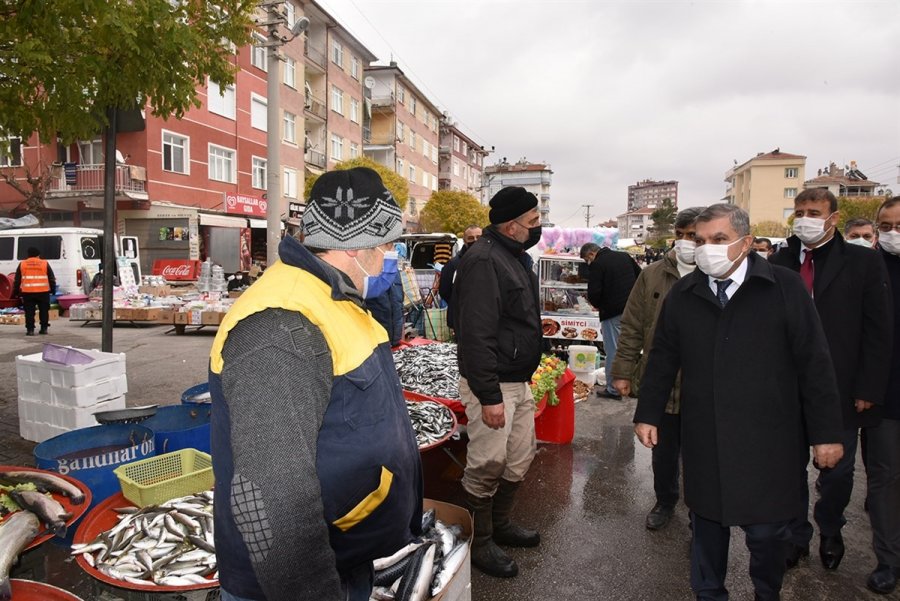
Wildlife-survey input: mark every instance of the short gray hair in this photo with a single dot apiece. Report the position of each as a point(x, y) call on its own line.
point(587, 249)
point(737, 216)
point(687, 217)
point(858, 222)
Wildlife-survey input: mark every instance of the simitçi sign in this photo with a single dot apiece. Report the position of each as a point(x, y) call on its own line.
point(245, 204)
point(177, 269)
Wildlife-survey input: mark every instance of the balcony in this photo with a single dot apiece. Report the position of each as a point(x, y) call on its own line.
point(88, 180)
point(315, 107)
point(383, 103)
point(316, 56)
point(367, 134)
point(315, 158)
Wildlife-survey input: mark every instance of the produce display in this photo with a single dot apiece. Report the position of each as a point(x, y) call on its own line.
point(421, 569)
point(431, 421)
point(429, 369)
point(170, 544)
point(544, 379)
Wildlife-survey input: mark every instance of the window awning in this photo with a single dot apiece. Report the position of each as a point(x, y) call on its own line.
point(260, 224)
point(222, 220)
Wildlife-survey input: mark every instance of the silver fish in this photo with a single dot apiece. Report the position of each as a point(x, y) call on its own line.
point(45, 483)
point(416, 582)
point(16, 533)
point(47, 509)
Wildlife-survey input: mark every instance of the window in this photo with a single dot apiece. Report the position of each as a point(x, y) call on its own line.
point(337, 100)
point(290, 127)
point(790, 172)
point(175, 151)
point(289, 13)
point(400, 166)
point(412, 105)
point(6, 248)
point(290, 183)
point(412, 173)
point(337, 54)
point(455, 143)
point(424, 179)
point(290, 72)
point(455, 167)
point(221, 164)
point(50, 247)
point(412, 139)
point(425, 150)
point(401, 134)
point(790, 192)
point(434, 154)
point(434, 183)
point(220, 101)
point(91, 153)
point(354, 110)
point(258, 56)
point(259, 173)
point(354, 67)
point(13, 156)
point(412, 206)
point(337, 147)
point(354, 150)
point(401, 94)
point(259, 112)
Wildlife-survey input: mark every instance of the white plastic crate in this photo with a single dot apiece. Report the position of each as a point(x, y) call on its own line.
point(39, 421)
point(105, 366)
point(73, 418)
point(77, 396)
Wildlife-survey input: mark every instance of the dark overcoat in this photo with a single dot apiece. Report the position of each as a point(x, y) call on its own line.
point(853, 298)
point(756, 384)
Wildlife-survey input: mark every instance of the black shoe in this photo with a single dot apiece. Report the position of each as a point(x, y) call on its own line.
point(516, 536)
point(793, 554)
point(493, 561)
point(42, 331)
point(605, 394)
point(659, 516)
point(29, 332)
point(883, 580)
point(505, 531)
point(831, 550)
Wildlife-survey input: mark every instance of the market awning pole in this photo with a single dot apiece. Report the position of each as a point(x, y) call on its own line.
point(109, 230)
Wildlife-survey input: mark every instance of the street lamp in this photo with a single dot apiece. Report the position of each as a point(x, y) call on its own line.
point(275, 19)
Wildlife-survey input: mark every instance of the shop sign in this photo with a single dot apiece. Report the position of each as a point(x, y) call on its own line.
point(295, 210)
point(176, 269)
point(242, 204)
point(573, 328)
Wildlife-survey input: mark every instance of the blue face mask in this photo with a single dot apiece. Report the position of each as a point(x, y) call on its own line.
point(376, 285)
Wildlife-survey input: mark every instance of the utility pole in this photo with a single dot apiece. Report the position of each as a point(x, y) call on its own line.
point(587, 215)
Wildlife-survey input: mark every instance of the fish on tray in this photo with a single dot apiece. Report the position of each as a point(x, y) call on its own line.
point(48, 510)
point(170, 544)
point(16, 533)
point(44, 482)
point(431, 421)
point(429, 369)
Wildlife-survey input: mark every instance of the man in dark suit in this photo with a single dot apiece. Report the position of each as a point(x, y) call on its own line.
point(744, 437)
point(849, 286)
point(448, 273)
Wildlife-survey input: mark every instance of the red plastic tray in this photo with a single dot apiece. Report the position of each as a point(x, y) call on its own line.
point(102, 518)
point(29, 590)
point(440, 441)
point(76, 510)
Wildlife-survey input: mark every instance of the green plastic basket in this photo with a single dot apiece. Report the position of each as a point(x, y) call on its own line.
point(158, 479)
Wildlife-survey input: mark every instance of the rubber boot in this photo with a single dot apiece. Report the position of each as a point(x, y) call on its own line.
point(505, 531)
point(486, 555)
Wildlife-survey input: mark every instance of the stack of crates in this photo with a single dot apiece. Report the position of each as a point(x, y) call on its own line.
point(55, 398)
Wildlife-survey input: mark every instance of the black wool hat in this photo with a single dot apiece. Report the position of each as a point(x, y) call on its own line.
point(350, 209)
point(511, 202)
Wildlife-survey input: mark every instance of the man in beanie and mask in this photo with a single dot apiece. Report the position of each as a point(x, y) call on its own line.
point(316, 464)
point(498, 328)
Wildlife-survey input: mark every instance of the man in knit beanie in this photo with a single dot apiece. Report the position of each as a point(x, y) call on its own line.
point(316, 464)
point(498, 327)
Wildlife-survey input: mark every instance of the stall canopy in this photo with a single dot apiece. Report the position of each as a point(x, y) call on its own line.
point(261, 224)
point(222, 220)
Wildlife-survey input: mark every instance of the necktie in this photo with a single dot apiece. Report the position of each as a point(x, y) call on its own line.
point(808, 270)
point(722, 286)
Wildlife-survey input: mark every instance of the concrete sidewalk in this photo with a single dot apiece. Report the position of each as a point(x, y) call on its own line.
point(588, 499)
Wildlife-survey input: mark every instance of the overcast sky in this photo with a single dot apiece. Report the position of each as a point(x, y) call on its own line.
point(609, 93)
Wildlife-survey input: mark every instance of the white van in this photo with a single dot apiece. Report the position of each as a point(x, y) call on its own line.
point(74, 254)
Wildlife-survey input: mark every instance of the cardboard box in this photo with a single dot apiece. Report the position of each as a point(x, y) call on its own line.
point(181, 318)
point(211, 318)
point(155, 290)
point(165, 316)
point(12, 320)
point(53, 314)
point(235, 293)
point(459, 588)
point(123, 314)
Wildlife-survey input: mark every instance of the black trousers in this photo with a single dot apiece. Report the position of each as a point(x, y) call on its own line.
point(883, 444)
point(709, 558)
point(39, 301)
point(665, 462)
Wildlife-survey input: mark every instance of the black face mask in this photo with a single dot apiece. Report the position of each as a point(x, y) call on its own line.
point(534, 236)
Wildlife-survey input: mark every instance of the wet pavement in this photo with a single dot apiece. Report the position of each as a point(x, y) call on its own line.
point(588, 499)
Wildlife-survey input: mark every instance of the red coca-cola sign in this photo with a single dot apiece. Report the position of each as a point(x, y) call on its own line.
point(176, 269)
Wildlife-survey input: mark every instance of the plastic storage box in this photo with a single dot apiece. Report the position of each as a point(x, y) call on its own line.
point(158, 479)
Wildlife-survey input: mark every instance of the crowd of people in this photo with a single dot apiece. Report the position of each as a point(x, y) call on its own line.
point(317, 470)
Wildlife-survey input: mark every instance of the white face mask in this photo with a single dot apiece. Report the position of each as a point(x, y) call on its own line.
point(810, 229)
point(861, 242)
point(684, 251)
point(712, 259)
point(890, 241)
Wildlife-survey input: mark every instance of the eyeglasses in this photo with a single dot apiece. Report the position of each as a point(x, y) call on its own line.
point(886, 227)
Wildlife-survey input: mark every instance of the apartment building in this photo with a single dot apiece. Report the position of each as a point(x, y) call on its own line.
point(403, 130)
point(460, 160)
point(849, 181)
point(649, 192)
point(334, 101)
point(636, 225)
point(534, 177)
point(195, 187)
point(765, 186)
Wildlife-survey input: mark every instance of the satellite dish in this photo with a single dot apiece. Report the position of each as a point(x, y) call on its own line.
point(369, 82)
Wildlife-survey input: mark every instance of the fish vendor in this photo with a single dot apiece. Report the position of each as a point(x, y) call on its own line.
point(316, 465)
point(500, 339)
